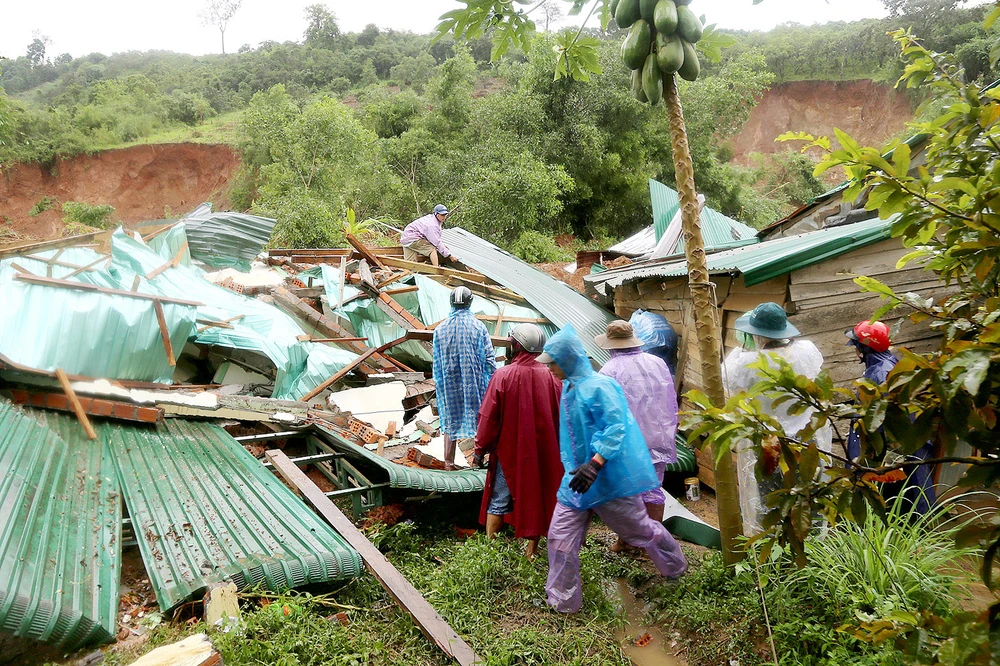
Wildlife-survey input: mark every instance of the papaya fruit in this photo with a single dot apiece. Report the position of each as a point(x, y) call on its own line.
point(635, 48)
point(626, 13)
point(637, 90)
point(646, 8)
point(652, 83)
point(669, 52)
point(665, 17)
point(612, 7)
point(691, 67)
point(688, 25)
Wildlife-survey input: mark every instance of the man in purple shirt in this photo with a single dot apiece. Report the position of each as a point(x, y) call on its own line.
point(652, 399)
point(422, 237)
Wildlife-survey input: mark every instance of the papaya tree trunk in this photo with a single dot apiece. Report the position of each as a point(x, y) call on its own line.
point(705, 316)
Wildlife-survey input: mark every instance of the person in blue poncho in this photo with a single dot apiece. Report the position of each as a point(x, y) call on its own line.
point(871, 342)
point(464, 361)
point(607, 468)
point(657, 335)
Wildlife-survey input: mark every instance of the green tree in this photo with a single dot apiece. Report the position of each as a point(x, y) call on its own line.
point(219, 13)
point(322, 30)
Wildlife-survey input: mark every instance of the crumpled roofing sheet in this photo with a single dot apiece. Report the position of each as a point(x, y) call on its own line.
point(261, 327)
point(411, 478)
point(204, 510)
point(48, 327)
point(60, 530)
point(557, 301)
point(226, 239)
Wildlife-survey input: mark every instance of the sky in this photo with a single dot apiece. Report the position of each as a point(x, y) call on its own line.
point(111, 26)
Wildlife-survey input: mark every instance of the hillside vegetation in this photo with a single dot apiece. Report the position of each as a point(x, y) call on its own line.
point(389, 123)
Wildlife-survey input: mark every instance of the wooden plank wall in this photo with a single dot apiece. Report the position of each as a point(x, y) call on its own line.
point(822, 299)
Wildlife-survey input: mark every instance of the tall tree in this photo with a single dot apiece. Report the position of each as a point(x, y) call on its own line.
point(219, 13)
point(36, 49)
point(322, 29)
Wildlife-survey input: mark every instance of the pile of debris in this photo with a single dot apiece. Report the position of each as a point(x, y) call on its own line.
point(139, 392)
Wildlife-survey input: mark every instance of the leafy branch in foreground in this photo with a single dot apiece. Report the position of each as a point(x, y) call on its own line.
point(942, 205)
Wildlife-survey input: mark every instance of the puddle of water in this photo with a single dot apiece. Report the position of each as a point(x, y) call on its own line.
point(642, 643)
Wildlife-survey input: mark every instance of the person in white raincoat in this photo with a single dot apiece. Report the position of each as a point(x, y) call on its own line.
point(768, 332)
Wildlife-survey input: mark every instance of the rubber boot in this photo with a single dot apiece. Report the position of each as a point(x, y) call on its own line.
point(655, 511)
point(494, 523)
point(449, 452)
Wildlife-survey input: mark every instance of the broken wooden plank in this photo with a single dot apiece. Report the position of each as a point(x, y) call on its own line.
point(513, 320)
point(417, 267)
point(340, 374)
point(111, 409)
point(81, 415)
point(394, 278)
point(296, 307)
point(81, 286)
point(309, 338)
point(428, 336)
point(32, 248)
point(431, 624)
point(172, 263)
point(364, 251)
point(164, 332)
point(397, 312)
point(489, 290)
point(402, 290)
point(159, 230)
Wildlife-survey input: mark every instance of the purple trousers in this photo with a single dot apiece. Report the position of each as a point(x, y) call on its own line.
point(656, 495)
point(627, 516)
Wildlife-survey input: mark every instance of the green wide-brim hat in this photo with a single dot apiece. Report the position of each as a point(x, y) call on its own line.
point(767, 320)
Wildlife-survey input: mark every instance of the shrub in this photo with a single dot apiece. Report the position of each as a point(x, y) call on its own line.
point(536, 248)
point(44, 204)
point(76, 212)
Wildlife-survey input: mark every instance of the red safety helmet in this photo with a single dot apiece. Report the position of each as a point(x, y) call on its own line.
point(874, 335)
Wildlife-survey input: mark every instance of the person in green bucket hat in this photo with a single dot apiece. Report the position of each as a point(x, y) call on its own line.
point(766, 332)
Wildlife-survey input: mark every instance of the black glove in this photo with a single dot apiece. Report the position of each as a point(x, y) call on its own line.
point(477, 460)
point(584, 476)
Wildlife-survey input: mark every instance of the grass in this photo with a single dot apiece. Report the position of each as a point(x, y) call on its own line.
point(484, 589)
point(218, 130)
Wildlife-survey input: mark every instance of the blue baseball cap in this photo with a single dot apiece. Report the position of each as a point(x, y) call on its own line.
point(440, 209)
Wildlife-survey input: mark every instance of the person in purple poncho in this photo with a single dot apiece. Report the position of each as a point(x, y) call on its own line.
point(652, 399)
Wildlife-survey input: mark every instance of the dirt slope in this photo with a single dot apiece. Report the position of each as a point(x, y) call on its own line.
point(868, 111)
point(142, 183)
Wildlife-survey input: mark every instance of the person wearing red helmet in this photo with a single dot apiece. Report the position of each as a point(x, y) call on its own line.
point(871, 341)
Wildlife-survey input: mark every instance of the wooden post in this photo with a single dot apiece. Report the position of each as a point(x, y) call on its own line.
point(431, 624)
point(75, 402)
point(364, 251)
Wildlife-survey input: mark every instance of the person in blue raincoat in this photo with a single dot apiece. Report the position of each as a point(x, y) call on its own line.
point(464, 361)
point(657, 335)
point(607, 468)
point(871, 341)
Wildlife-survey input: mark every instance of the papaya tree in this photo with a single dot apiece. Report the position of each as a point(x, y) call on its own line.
point(661, 42)
point(944, 207)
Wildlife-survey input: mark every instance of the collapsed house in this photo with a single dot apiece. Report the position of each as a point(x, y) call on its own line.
point(806, 262)
point(149, 378)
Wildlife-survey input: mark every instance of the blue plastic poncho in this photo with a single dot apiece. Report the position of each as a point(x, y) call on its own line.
point(594, 418)
point(464, 361)
point(657, 335)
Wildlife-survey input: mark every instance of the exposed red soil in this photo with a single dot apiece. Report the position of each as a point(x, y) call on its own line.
point(142, 183)
point(870, 112)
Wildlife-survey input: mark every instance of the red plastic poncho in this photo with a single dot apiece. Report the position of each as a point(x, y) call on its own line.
point(519, 426)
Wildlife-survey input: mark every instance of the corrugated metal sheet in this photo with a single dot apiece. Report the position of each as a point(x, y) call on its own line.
point(686, 462)
point(666, 203)
point(556, 300)
point(763, 261)
point(411, 478)
point(60, 530)
point(204, 510)
point(637, 244)
point(717, 229)
point(258, 326)
point(226, 239)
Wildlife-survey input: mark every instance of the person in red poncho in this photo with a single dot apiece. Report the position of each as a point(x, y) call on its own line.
point(519, 429)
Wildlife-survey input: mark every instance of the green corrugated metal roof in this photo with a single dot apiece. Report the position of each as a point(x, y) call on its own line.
point(226, 239)
point(60, 530)
point(205, 510)
point(556, 300)
point(763, 261)
point(717, 229)
point(412, 478)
